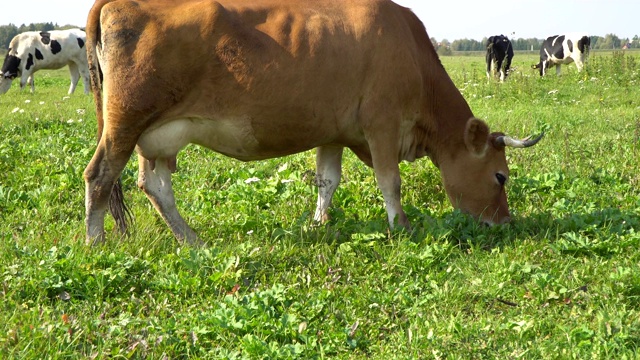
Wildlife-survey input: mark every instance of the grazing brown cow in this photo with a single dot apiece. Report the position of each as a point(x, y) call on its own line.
point(257, 79)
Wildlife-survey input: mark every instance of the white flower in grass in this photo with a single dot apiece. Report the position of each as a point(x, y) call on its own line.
point(70, 121)
point(284, 181)
point(27, 101)
point(251, 180)
point(41, 102)
point(80, 111)
point(15, 110)
point(552, 92)
point(66, 98)
point(21, 111)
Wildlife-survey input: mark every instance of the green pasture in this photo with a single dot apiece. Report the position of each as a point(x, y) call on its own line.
point(562, 281)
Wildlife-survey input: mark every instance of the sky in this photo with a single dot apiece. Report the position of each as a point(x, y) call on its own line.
point(448, 19)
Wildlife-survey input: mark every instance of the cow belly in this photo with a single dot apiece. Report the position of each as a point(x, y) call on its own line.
point(232, 137)
point(564, 61)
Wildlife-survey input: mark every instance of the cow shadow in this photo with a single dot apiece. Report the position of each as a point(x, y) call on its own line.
point(576, 234)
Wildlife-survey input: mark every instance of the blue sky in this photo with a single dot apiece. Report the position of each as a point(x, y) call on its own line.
point(448, 19)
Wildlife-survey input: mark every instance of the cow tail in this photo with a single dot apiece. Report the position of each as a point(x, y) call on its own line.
point(117, 207)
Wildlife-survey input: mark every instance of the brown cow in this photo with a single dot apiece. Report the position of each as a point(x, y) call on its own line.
point(257, 79)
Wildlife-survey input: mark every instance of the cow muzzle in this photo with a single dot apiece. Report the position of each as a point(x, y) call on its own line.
point(491, 222)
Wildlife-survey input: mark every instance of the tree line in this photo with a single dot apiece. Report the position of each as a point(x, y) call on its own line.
point(7, 32)
point(444, 47)
point(609, 41)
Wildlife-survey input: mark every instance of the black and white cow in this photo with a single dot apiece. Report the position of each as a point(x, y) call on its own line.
point(499, 56)
point(563, 49)
point(33, 50)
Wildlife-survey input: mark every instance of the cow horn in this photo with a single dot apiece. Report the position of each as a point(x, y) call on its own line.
point(503, 141)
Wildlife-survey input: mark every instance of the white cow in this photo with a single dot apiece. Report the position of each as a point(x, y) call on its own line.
point(563, 49)
point(35, 50)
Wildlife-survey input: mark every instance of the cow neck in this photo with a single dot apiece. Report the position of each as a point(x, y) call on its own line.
point(449, 111)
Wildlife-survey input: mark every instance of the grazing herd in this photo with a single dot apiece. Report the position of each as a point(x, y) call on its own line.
point(555, 50)
point(270, 87)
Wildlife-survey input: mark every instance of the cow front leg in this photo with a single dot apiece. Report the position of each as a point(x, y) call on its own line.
point(27, 79)
point(489, 66)
point(328, 174)
point(154, 178)
point(384, 153)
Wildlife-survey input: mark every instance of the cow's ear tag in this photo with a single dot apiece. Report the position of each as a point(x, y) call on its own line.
point(476, 135)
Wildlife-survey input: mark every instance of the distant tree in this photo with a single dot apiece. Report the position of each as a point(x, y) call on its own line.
point(531, 44)
point(444, 48)
point(467, 45)
point(434, 42)
point(610, 41)
point(7, 32)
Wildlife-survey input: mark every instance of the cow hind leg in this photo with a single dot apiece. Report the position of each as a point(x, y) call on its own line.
point(328, 174)
point(100, 176)
point(84, 73)
point(154, 178)
point(75, 76)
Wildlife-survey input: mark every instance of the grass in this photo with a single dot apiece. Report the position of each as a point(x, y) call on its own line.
point(561, 281)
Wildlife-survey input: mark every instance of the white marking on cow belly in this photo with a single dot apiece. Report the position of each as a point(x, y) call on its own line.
point(565, 60)
point(232, 137)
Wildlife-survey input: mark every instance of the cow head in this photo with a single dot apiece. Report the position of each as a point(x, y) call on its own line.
point(10, 70)
point(475, 175)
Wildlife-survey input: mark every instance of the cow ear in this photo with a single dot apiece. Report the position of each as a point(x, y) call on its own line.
point(476, 136)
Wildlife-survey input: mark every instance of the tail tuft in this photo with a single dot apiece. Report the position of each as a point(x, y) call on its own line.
point(119, 210)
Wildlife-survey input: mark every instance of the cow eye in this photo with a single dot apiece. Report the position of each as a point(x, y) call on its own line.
point(501, 179)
